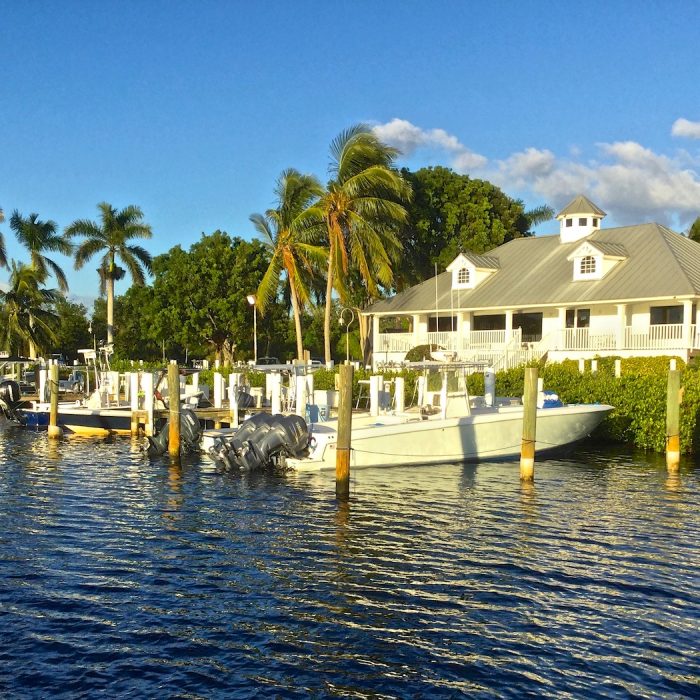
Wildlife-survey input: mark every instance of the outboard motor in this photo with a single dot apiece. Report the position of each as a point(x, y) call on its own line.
point(261, 440)
point(190, 434)
point(10, 399)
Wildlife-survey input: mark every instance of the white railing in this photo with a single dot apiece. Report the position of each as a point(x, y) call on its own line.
point(674, 336)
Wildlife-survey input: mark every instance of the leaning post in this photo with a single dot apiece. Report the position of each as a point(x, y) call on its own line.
point(342, 451)
point(673, 404)
point(54, 428)
point(527, 448)
point(174, 406)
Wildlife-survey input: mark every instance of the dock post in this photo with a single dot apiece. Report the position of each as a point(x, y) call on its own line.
point(148, 400)
point(342, 451)
point(527, 448)
point(275, 393)
point(234, 382)
point(398, 394)
point(218, 396)
point(618, 369)
point(42, 381)
point(376, 382)
point(134, 401)
point(673, 440)
point(54, 428)
point(174, 406)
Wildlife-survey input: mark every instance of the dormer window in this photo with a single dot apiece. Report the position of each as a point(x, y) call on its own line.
point(588, 266)
point(463, 276)
point(595, 221)
point(569, 222)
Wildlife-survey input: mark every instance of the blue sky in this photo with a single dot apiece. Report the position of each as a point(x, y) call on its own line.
point(191, 110)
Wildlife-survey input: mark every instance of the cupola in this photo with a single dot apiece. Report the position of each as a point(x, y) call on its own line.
point(578, 219)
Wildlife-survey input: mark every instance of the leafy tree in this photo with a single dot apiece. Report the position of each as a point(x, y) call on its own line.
point(27, 312)
point(134, 324)
point(694, 231)
point(111, 238)
point(362, 209)
point(3, 251)
point(37, 237)
point(71, 328)
point(453, 213)
point(286, 231)
point(200, 295)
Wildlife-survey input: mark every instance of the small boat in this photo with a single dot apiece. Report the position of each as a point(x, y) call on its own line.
point(448, 426)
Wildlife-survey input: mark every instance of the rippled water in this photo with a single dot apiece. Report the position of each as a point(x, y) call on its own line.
point(128, 578)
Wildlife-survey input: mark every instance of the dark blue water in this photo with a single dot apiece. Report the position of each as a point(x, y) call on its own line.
point(121, 577)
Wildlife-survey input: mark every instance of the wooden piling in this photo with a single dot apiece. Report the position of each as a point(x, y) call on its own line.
point(673, 403)
point(527, 448)
point(342, 451)
point(134, 401)
point(174, 406)
point(54, 428)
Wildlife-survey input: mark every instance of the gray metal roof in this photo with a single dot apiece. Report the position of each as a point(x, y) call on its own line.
point(535, 272)
point(613, 249)
point(488, 262)
point(580, 205)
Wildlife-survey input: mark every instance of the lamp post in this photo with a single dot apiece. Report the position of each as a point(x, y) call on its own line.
point(251, 300)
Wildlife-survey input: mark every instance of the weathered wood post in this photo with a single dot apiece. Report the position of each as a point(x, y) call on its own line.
point(174, 406)
point(54, 428)
point(134, 401)
point(673, 403)
point(527, 448)
point(342, 450)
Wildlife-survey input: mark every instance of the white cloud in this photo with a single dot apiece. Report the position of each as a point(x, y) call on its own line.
point(685, 128)
point(631, 182)
point(409, 138)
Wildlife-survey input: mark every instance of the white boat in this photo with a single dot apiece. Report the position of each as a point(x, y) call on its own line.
point(447, 426)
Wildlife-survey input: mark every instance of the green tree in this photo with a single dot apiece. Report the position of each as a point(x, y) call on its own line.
point(135, 317)
point(71, 328)
point(287, 232)
point(200, 295)
point(694, 231)
point(453, 213)
point(3, 250)
point(111, 238)
point(362, 208)
point(38, 237)
point(27, 312)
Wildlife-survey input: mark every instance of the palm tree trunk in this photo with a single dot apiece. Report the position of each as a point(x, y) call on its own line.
point(32, 346)
point(110, 308)
point(365, 345)
point(297, 323)
point(327, 315)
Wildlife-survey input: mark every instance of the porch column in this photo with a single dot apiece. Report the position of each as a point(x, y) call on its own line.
point(561, 331)
point(466, 330)
point(621, 325)
point(509, 325)
point(416, 332)
point(687, 323)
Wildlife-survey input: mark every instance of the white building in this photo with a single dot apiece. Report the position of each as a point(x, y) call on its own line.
point(586, 292)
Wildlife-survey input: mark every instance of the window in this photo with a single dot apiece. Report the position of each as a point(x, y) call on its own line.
point(490, 322)
point(569, 222)
point(588, 266)
point(664, 315)
point(578, 318)
point(582, 221)
point(442, 324)
point(463, 276)
point(595, 221)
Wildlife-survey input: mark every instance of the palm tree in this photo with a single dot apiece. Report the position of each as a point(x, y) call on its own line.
point(27, 316)
point(3, 251)
point(361, 208)
point(38, 236)
point(287, 231)
point(111, 238)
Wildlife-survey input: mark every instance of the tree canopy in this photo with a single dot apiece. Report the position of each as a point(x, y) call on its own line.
point(453, 213)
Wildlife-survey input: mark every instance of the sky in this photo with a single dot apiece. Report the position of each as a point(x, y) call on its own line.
point(191, 110)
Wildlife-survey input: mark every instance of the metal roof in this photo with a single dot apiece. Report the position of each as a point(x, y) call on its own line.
point(533, 272)
point(580, 205)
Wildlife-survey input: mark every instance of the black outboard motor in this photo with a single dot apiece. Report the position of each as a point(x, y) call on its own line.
point(261, 440)
point(10, 399)
point(190, 434)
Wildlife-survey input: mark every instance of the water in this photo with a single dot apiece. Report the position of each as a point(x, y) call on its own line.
point(127, 578)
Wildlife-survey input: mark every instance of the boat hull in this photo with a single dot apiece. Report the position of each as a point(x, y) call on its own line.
point(483, 435)
point(82, 421)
